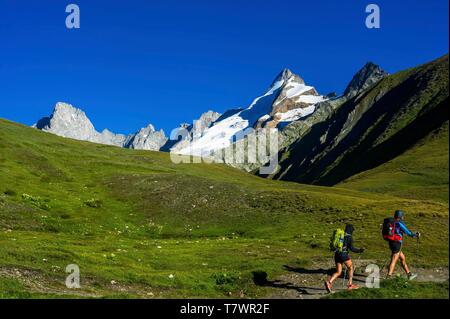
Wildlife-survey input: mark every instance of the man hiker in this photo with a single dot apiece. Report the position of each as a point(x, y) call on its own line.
point(395, 241)
point(342, 257)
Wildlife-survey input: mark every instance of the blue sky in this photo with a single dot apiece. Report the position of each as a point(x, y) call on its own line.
point(165, 62)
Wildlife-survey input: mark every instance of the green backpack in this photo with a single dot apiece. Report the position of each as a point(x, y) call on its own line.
point(337, 240)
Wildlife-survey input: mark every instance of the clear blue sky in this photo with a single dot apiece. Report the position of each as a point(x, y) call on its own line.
point(165, 62)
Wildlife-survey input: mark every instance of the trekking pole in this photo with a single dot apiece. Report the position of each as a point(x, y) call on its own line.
point(418, 242)
point(345, 274)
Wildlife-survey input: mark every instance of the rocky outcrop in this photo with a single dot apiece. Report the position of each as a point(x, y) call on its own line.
point(190, 132)
point(146, 138)
point(71, 122)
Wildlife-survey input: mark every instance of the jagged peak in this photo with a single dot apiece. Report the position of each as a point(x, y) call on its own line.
point(63, 106)
point(148, 128)
point(285, 74)
point(372, 67)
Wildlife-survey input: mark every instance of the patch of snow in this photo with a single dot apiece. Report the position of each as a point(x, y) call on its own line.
point(295, 114)
point(221, 134)
point(310, 99)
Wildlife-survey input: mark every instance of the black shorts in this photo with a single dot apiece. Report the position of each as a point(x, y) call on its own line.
point(340, 258)
point(395, 246)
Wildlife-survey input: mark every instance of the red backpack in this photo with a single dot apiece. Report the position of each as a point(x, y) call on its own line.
point(388, 230)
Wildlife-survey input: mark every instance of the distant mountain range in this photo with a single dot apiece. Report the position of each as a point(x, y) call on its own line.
point(324, 138)
point(287, 100)
point(71, 122)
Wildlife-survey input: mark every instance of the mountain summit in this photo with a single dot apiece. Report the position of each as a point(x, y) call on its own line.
point(287, 74)
point(287, 99)
point(69, 121)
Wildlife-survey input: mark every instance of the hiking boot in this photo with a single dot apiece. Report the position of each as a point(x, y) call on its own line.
point(412, 276)
point(328, 286)
point(352, 286)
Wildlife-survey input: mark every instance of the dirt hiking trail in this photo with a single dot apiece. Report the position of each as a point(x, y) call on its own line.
point(308, 283)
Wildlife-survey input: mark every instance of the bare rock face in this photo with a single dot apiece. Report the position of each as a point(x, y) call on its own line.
point(195, 130)
point(109, 138)
point(205, 121)
point(69, 121)
point(147, 138)
point(369, 75)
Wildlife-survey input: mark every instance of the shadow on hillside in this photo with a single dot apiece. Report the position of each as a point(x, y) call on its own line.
point(301, 270)
point(260, 279)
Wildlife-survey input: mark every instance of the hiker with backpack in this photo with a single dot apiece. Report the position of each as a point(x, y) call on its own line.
point(393, 231)
point(342, 243)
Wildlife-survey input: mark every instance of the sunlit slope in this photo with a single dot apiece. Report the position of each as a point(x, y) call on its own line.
point(419, 173)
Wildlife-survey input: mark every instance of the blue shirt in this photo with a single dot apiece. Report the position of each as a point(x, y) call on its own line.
point(402, 229)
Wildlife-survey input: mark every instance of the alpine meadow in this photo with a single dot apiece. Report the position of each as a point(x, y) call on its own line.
point(224, 159)
point(140, 226)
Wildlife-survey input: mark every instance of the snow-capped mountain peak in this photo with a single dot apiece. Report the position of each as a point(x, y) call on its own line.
point(288, 75)
point(287, 99)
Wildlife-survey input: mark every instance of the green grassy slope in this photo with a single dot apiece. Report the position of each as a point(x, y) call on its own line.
point(140, 226)
point(419, 173)
point(398, 288)
point(373, 128)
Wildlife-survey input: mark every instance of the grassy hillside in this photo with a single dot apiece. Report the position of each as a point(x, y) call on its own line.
point(138, 225)
point(398, 289)
point(419, 173)
point(373, 128)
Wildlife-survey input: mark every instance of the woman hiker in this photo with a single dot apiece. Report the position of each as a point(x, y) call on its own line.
point(342, 257)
